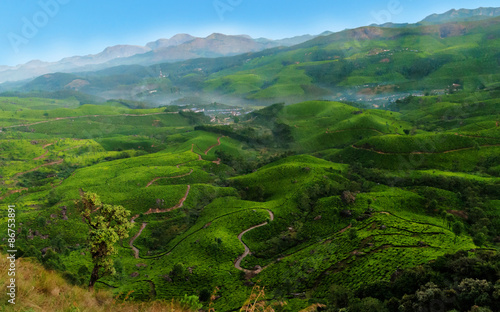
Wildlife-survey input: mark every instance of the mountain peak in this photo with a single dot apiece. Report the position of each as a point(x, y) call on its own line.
point(174, 41)
point(123, 50)
point(216, 36)
point(462, 15)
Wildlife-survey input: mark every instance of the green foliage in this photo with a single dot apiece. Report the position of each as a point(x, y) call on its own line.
point(32, 252)
point(352, 234)
point(107, 224)
point(52, 261)
point(194, 118)
point(404, 202)
point(369, 305)
point(191, 302)
point(457, 228)
point(446, 283)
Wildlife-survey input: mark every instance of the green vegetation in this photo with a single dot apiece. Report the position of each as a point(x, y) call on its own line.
point(324, 204)
point(369, 62)
point(107, 224)
point(318, 177)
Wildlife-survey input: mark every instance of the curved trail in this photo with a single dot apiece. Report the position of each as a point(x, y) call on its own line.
point(86, 116)
point(12, 192)
point(160, 178)
point(131, 243)
point(345, 229)
point(151, 211)
point(237, 264)
point(156, 210)
point(192, 151)
point(179, 205)
point(181, 201)
point(217, 162)
point(215, 145)
point(57, 162)
point(167, 252)
point(44, 154)
point(419, 153)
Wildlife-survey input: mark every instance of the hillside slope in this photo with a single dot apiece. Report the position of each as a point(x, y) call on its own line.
point(295, 198)
point(38, 289)
point(368, 63)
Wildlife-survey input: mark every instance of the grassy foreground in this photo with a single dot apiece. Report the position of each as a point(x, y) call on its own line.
point(41, 290)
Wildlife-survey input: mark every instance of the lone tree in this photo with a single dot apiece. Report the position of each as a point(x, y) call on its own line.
point(107, 224)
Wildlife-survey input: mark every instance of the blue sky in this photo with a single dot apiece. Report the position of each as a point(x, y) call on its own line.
point(80, 27)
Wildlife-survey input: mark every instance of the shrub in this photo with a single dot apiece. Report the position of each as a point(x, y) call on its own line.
point(191, 302)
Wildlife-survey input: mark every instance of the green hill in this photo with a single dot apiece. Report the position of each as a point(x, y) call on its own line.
point(353, 64)
point(300, 199)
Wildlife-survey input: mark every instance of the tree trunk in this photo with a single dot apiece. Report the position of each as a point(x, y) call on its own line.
point(94, 277)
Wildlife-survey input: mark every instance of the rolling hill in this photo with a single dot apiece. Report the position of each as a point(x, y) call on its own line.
point(369, 63)
point(298, 199)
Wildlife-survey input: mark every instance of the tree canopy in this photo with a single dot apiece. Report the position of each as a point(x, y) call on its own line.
point(107, 225)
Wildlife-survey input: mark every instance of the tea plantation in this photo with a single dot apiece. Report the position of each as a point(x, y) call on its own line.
point(321, 202)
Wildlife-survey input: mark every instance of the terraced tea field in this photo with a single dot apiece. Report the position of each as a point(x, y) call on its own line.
point(294, 198)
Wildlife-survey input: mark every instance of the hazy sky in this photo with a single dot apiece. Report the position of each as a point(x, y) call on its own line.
point(52, 29)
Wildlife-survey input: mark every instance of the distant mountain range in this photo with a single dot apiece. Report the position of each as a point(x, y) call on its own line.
point(184, 47)
point(178, 48)
point(462, 15)
point(215, 45)
point(361, 64)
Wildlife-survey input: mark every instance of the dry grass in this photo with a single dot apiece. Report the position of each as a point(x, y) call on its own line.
point(256, 301)
point(39, 290)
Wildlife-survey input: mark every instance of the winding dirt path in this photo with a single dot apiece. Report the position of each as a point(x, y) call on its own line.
point(160, 178)
point(57, 162)
point(151, 211)
point(17, 175)
point(476, 136)
point(418, 153)
point(345, 229)
point(192, 151)
point(44, 154)
point(217, 162)
point(131, 243)
point(12, 192)
point(218, 143)
point(86, 116)
point(179, 204)
point(237, 264)
point(157, 210)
